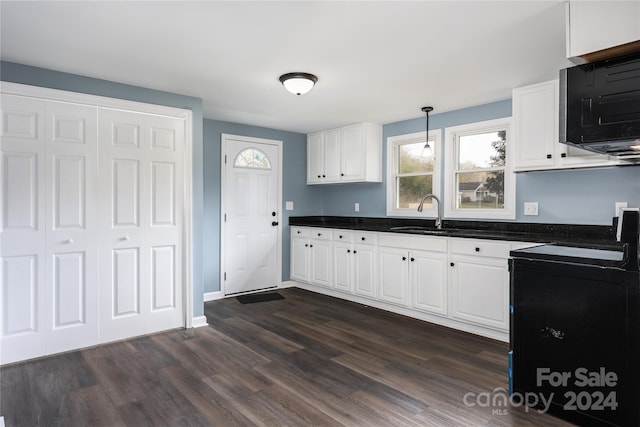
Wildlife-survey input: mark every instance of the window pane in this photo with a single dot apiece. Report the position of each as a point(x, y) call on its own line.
point(411, 189)
point(480, 190)
point(414, 158)
point(252, 158)
point(482, 150)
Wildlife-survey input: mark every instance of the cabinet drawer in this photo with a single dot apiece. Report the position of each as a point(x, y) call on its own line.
point(343, 236)
point(299, 232)
point(480, 248)
point(320, 234)
point(365, 238)
point(424, 243)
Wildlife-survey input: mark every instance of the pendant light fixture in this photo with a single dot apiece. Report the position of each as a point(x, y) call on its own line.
point(427, 110)
point(298, 83)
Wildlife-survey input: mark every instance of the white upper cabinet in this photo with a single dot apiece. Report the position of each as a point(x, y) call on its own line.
point(347, 154)
point(593, 26)
point(536, 133)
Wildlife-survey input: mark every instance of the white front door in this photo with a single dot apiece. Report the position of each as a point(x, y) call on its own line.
point(141, 211)
point(251, 214)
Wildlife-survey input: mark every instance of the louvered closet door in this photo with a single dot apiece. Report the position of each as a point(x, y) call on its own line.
point(141, 202)
point(49, 257)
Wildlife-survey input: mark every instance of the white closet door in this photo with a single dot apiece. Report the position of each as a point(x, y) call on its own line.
point(23, 229)
point(141, 193)
point(49, 256)
point(71, 218)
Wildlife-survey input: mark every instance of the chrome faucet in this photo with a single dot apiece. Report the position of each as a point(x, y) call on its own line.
point(439, 217)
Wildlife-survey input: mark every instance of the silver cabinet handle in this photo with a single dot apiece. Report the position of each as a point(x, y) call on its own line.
point(124, 238)
point(68, 241)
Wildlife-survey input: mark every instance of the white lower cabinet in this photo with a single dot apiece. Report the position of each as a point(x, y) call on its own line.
point(428, 273)
point(311, 255)
point(394, 275)
point(456, 282)
point(355, 262)
point(479, 282)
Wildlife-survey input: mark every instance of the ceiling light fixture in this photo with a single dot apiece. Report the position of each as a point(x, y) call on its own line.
point(298, 83)
point(427, 110)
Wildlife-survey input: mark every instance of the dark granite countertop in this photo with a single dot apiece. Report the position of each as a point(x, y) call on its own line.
point(583, 236)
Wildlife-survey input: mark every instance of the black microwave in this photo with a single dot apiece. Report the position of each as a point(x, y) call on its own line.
point(600, 106)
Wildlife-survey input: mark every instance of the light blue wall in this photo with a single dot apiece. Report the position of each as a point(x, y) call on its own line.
point(340, 199)
point(23, 74)
point(308, 200)
point(584, 196)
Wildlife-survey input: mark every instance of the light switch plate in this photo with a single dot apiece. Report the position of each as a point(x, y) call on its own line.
point(288, 205)
point(357, 207)
point(531, 208)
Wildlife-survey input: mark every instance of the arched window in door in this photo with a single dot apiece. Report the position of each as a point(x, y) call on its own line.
point(252, 158)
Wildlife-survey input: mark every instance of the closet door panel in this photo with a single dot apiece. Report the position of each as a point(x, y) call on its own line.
point(71, 217)
point(24, 321)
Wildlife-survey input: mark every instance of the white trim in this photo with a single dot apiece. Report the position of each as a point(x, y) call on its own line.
point(288, 284)
point(198, 322)
point(212, 296)
point(223, 149)
point(451, 133)
point(139, 107)
point(92, 100)
point(435, 135)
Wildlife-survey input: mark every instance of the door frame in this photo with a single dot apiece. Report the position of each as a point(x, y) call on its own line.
point(116, 103)
point(223, 204)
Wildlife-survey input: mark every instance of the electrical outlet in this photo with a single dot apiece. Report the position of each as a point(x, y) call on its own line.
point(531, 208)
point(288, 205)
point(619, 205)
point(357, 207)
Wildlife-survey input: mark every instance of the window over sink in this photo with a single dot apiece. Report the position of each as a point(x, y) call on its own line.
point(479, 181)
point(413, 171)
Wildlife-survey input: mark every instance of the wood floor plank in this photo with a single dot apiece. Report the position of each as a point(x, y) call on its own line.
point(306, 360)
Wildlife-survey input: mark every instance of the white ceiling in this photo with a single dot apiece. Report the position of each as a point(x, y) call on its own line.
point(376, 61)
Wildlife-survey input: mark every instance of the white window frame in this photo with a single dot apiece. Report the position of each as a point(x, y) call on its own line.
point(393, 142)
point(451, 155)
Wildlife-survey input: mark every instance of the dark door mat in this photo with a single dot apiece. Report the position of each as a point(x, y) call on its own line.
point(251, 298)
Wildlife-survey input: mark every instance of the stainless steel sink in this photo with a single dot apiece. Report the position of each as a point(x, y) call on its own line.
point(414, 229)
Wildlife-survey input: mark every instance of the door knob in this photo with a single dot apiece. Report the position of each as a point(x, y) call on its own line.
point(274, 223)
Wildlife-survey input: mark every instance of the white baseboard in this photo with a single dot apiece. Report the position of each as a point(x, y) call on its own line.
point(212, 296)
point(287, 284)
point(198, 322)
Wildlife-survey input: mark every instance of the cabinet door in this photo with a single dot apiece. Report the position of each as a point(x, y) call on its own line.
point(342, 270)
point(568, 156)
point(332, 155)
point(428, 276)
point(315, 158)
point(300, 259)
point(364, 266)
point(535, 116)
point(320, 262)
point(598, 25)
point(393, 275)
point(480, 289)
point(352, 149)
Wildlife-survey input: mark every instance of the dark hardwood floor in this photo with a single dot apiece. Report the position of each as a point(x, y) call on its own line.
point(307, 360)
